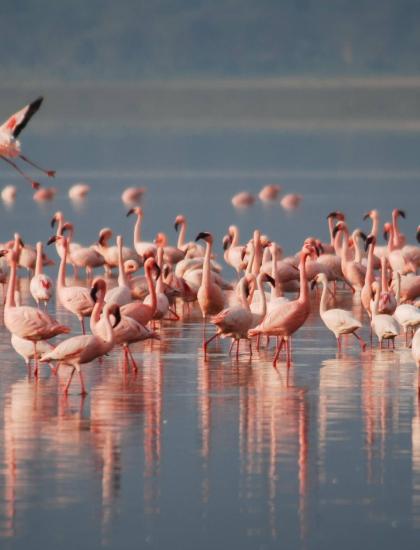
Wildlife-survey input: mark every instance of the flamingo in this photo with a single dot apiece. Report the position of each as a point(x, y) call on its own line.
point(233, 254)
point(387, 301)
point(269, 192)
point(82, 349)
point(407, 315)
point(210, 296)
point(291, 201)
point(140, 246)
point(9, 144)
point(379, 250)
point(243, 199)
point(82, 257)
point(110, 253)
point(27, 322)
point(384, 326)
point(144, 312)
point(415, 350)
point(288, 317)
point(41, 285)
point(366, 294)
point(79, 191)
point(234, 321)
point(132, 194)
point(193, 249)
point(339, 321)
point(76, 299)
point(121, 294)
point(127, 331)
point(353, 270)
point(162, 302)
point(398, 237)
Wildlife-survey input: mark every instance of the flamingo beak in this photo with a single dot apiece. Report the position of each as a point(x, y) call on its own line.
point(401, 213)
point(131, 211)
point(313, 283)
point(369, 241)
point(386, 234)
point(117, 314)
point(52, 222)
point(366, 216)
point(158, 271)
point(22, 244)
point(270, 280)
point(51, 240)
point(203, 235)
point(226, 242)
point(336, 229)
point(176, 226)
point(93, 292)
point(418, 235)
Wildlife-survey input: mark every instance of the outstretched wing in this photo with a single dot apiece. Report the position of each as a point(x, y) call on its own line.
point(17, 122)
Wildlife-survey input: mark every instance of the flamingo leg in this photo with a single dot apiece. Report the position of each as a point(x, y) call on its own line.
point(278, 350)
point(339, 344)
point(175, 314)
point(49, 173)
point(35, 361)
point(289, 351)
point(231, 346)
point(258, 342)
point(66, 388)
point(82, 322)
point(82, 384)
point(250, 347)
point(237, 348)
point(133, 362)
point(362, 343)
point(207, 342)
point(34, 184)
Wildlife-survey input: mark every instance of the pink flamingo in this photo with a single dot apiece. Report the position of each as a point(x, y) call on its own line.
point(285, 319)
point(353, 270)
point(9, 144)
point(76, 299)
point(82, 349)
point(41, 285)
point(399, 239)
point(269, 192)
point(25, 321)
point(120, 294)
point(243, 199)
point(387, 300)
point(193, 249)
point(79, 191)
point(142, 312)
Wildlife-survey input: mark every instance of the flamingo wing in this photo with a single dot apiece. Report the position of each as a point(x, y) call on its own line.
point(17, 122)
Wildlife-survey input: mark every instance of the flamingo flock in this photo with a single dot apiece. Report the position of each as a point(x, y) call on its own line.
point(183, 279)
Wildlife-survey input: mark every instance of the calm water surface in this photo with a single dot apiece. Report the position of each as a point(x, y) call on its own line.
point(218, 452)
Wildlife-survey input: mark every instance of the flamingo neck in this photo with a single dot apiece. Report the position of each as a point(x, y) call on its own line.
point(248, 270)
point(258, 254)
point(384, 279)
point(370, 276)
point(357, 252)
point(398, 288)
point(10, 296)
point(323, 304)
point(182, 234)
point(331, 229)
point(396, 230)
point(122, 277)
point(242, 294)
point(38, 264)
point(235, 237)
point(96, 312)
point(152, 289)
point(260, 287)
point(276, 290)
point(375, 307)
point(137, 230)
point(375, 226)
point(61, 280)
point(206, 265)
point(108, 337)
point(303, 280)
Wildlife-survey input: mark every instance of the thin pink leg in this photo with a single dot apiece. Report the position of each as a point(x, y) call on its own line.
point(49, 173)
point(339, 344)
point(237, 349)
point(82, 384)
point(250, 347)
point(34, 184)
point(231, 346)
point(362, 343)
point(133, 362)
point(82, 322)
point(278, 350)
point(66, 389)
point(207, 342)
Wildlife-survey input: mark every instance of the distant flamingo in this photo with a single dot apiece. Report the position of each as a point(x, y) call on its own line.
point(9, 144)
point(132, 194)
point(193, 249)
point(291, 201)
point(407, 315)
point(243, 199)
point(269, 192)
point(79, 191)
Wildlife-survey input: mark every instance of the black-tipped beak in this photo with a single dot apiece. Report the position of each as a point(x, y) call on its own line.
point(418, 235)
point(363, 235)
point(243, 253)
point(401, 213)
point(52, 240)
point(202, 235)
point(101, 240)
point(332, 215)
point(93, 293)
point(366, 216)
point(117, 314)
point(313, 284)
point(3, 253)
point(226, 242)
point(158, 271)
point(270, 280)
point(52, 222)
point(22, 244)
point(317, 250)
point(131, 211)
point(336, 229)
point(386, 235)
point(176, 226)
point(369, 240)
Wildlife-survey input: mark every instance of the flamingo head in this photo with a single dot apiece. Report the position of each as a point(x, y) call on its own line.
point(227, 241)
point(114, 311)
point(387, 230)
point(136, 210)
point(58, 239)
point(67, 227)
point(340, 226)
point(266, 278)
point(131, 266)
point(179, 220)
point(336, 215)
point(58, 217)
point(150, 265)
point(370, 240)
point(98, 285)
point(311, 243)
point(204, 236)
point(396, 213)
point(160, 240)
point(104, 235)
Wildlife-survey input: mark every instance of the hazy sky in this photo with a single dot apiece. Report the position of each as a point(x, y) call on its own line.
point(137, 39)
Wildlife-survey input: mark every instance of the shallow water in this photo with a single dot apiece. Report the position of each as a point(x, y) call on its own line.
point(210, 453)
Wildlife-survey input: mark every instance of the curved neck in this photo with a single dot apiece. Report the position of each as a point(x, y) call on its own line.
point(370, 275)
point(206, 265)
point(235, 236)
point(109, 334)
point(330, 229)
point(396, 229)
point(276, 290)
point(384, 278)
point(375, 226)
point(38, 265)
point(263, 309)
point(357, 252)
point(248, 270)
point(97, 310)
point(391, 245)
point(61, 280)
point(242, 293)
point(256, 265)
point(122, 277)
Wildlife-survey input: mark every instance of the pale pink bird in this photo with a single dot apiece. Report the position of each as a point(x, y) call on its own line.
point(141, 247)
point(384, 326)
point(366, 294)
point(269, 192)
point(234, 321)
point(243, 199)
point(126, 331)
point(387, 300)
point(399, 239)
point(86, 257)
point(132, 194)
point(25, 321)
point(144, 312)
point(288, 317)
point(79, 191)
point(110, 252)
point(353, 270)
point(45, 194)
point(396, 256)
point(120, 294)
point(339, 321)
point(76, 299)
point(291, 201)
point(9, 144)
point(193, 249)
point(234, 251)
point(82, 349)
point(210, 296)
point(41, 286)
point(162, 302)
point(8, 193)
point(379, 250)
point(415, 350)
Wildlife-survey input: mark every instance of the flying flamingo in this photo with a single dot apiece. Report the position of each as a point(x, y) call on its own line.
point(339, 321)
point(9, 144)
point(41, 285)
point(76, 299)
point(82, 349)
point(285, 319)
